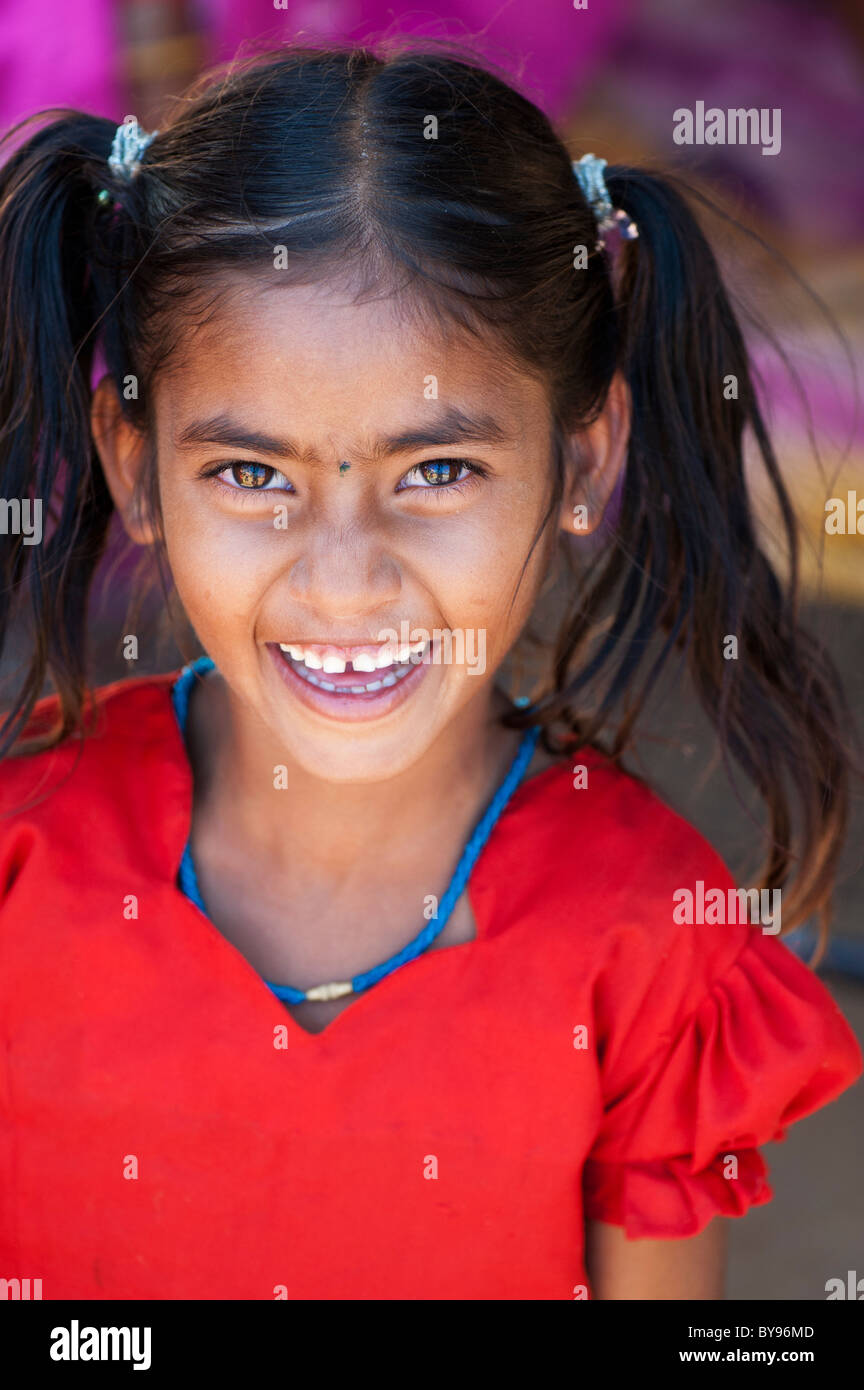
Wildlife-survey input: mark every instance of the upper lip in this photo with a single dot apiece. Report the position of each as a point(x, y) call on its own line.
point(342, 648)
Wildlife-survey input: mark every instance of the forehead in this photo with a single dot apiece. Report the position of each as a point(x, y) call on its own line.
point(313, 354)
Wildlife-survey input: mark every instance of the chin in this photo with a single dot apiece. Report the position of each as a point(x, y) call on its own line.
point(351, 764)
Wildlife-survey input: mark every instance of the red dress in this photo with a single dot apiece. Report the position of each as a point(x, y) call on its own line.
point(167, 1131)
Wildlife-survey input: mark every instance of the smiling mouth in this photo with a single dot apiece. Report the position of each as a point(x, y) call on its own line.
point(353, 671)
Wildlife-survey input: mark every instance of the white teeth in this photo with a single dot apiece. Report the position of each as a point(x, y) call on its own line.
point(385, 657)
point(392, 679)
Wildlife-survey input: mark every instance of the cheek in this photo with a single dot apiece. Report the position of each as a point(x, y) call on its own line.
point(479, 573)
point(220, 564)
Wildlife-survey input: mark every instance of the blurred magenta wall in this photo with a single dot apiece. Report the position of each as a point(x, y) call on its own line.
point(70, 54)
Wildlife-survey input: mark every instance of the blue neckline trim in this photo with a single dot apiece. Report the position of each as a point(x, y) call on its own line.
point(181, 692)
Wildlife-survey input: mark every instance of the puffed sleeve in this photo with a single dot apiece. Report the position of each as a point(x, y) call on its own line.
point(762, 1046)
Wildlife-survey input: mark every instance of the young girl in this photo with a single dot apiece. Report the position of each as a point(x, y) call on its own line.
point(333, 967)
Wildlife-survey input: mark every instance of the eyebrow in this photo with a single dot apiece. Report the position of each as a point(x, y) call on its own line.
point(452, 426)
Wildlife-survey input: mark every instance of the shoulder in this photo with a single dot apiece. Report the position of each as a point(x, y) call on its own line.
point(687, 988)
point(605, 857)
point(85, 827)
point(125, 724)
point(610, 833)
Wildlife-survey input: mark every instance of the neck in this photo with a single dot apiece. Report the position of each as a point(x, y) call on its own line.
point(330, 827)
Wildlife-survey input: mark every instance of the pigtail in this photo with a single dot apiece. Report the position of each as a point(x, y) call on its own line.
point(695, 568)
point(53, 297)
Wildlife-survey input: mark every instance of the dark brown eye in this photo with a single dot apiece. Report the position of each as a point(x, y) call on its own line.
point(251, 475)
point(441, 472)
point(242, 476)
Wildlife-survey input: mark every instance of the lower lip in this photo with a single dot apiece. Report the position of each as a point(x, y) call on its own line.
point(354, 709)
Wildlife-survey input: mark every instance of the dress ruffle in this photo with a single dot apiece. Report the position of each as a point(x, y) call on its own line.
point(766, 1047)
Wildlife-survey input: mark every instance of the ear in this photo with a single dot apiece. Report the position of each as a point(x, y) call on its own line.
point(594, 460)
point(123, 452)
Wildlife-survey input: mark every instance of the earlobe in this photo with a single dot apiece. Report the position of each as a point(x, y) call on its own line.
point(122, 451)
point(594, 461)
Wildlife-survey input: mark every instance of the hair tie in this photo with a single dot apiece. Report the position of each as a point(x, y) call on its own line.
point(128, 146)
point(589, 173)
point(127, 149)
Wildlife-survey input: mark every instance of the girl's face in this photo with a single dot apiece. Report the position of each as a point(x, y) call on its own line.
point(339, 483)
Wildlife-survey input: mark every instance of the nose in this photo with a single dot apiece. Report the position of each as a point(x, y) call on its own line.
point(344, 573)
